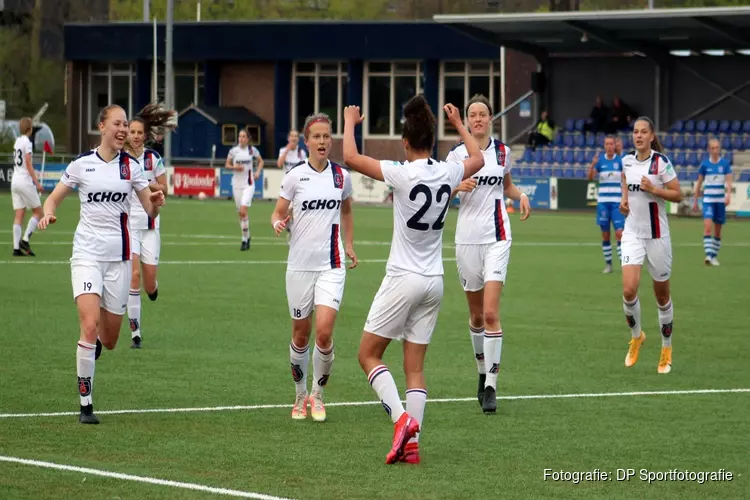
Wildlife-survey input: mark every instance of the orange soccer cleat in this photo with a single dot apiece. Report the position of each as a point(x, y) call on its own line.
point(404, 430)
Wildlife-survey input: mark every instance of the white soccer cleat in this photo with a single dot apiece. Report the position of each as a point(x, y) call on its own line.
point(318, 410)
point(299, 410)
point(607, 269)
point(714, 262)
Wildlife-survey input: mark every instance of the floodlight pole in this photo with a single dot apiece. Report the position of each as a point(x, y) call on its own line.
point(146, 10)
point(169, 80)
point(650, 4)
point(504, 118)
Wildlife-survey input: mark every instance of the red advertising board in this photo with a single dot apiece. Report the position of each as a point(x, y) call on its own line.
point(189, 181)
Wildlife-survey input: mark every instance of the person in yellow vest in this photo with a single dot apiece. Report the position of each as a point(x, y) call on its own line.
point(543, 133)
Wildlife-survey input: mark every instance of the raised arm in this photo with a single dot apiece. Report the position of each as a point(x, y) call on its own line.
point(361, 163)
point(475, 161)
point(282, 157)
point(592, 168)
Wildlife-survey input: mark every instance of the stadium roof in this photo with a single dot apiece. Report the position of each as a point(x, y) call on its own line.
point(654, 33)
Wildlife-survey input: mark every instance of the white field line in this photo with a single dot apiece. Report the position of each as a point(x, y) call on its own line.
point(367, 403)
point(32, 261)
point(140, 479)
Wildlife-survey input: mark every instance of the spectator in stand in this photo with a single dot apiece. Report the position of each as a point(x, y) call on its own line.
point(597, 121)
point(618, 146)
point(543, 133)
point(622, 116)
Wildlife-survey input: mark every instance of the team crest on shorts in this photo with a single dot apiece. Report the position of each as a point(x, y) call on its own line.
point(124, 167)
point(84, 386)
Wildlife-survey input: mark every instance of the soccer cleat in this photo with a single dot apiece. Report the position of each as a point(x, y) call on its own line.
point(18, 253)
point(248, 243)
point(715, 262)
point(87, 415)
point(635, 346)
point(317, 410)
point(299, 410)
point(665, 360)
point(98, 349)
point(154, 295)
point(136, 342)
point(480, 388)
point(26, 248)
point(411, 453)
point(403, 430)
point(607, 269)
point(489, 402)
point(707, 261)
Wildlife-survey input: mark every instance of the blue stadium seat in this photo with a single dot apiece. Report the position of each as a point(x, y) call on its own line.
point(667, 141)
point(679, 159)
point(690, 141)
point(569, 156)
point(579, 125)
point(527, 155)
point(690, 126)
point(570, 125)
point(580, 156)
point(736, 127)
point(568, 143)
point(580, 173)
point(590, 153)
point(679, 142)
point(729, 155)
point(559, 158)
point(556, 172)
point(746, 142)
point(627, 143)
point(677, 127)
point(538, 155)
point(701, 126)
point(558, 141)
point(682, 175)
point(737, 143)
point(568, 172)
point(600, 136)
point(692, 159)
point(535, 172)
point(726, 143)
point(713, 127)
point(701, 142)
point(590, 140)
point(724, 126)
point(547, 156)
point(745, 176)
point(579, 141)
point(746, 127)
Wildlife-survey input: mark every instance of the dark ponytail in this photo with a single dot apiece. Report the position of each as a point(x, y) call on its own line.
point(419, 124)
point(157, 121)
point(655, 143)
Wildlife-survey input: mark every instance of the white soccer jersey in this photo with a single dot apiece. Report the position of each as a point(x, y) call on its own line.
point(21, 148)
point(647, 217)
point(104, 190)
point(316, 197)
point(482, 217)
point(153, 167)
point(293, 157)
point(243, 156)
point(421, 195)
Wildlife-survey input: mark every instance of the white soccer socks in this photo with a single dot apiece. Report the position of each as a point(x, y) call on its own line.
point(30, 228)
point(134, 312)
point(381, 380)
point(666, 317)
point(415, 403)
point(493, 348)
point(322, 363)
point(633, 316)
point(477, 341)
point(85, 355)
point(300, 359)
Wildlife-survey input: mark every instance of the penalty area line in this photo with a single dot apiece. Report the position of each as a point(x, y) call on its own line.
point(686, 392)
point(140, 479)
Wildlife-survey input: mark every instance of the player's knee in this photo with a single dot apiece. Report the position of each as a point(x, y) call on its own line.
point(135, 277)
point(491, 318)
point(324, 336)
point(89, 329)
point(476, 318)
point(629, 292)
point(109, 343)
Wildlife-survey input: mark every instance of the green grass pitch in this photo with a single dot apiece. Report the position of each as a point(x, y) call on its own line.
point(219, 333)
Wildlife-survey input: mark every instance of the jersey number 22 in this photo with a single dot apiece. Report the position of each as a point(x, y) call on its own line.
point(415, 222)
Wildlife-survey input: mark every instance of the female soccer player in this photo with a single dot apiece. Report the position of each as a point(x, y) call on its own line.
point(24, 189)
point(483, 242)
point(608, 165)
point(648, 179)
point(320, 192)
point(145, 240)
point(291, 154)
point(407, 304)
point(240, 160)
point(714, 177)
point(100, 271)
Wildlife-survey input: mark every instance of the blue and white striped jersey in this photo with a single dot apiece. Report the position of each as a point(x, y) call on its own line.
point(714, 179)
point(610, 175)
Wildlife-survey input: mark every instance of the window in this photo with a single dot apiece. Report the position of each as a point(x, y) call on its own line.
point(229, 136)
point(253, 134)
point(388, 87)
point(459, 81)
point(109, 84)
point(189, 84)
point(319, 88)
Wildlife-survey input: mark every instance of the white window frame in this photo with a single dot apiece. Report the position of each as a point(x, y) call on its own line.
point(494, 71)
point(196, 73)
point(340, 73)
point(130, 73)
point(393, 73)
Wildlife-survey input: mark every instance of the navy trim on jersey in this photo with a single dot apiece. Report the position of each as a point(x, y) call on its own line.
point(500, 152)
point(303, 162)
point(335, 255)
point(83, 155)
point(653, 169)
point(499, 223)
point(457, 146)
point(653, 212)
point(125, 235)
point(153, 152)
point(151, 223)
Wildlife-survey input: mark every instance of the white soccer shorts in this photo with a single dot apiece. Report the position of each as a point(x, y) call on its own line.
point(657, 252)
point(307, 289)
point(479, 264)
point(243, 195)
point(25, 196)
point(146, 243)
point(109, 280)
point(406, 308)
